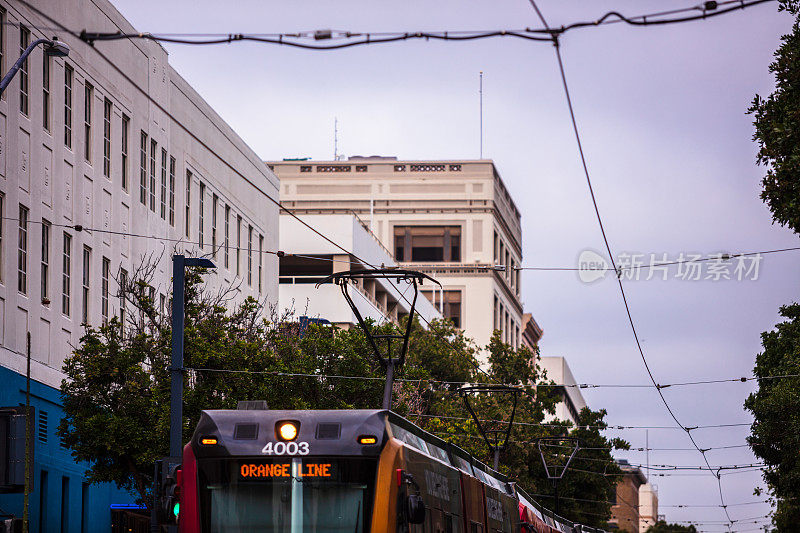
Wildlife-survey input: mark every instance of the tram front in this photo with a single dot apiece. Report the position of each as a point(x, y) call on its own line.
point(288, 472)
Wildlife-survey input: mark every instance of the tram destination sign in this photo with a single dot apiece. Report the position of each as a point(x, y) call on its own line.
point(260, 471)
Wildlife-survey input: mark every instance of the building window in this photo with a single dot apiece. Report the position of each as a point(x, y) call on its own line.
point(260, 260)
point(107, 108)
point(22, 251)
point(427, 244)
point(46, 62)
point(2, 226)
point(68, 76)
point(172, 191)
point(104, 289)
point(126, 122)
point(200, 207)
point(24, 41)
point(123, 280)
point(143, 169)
point(66, 268)
point(188, 199)
point(249, 256)
point(153, 148)
point(214, 201)
point(45, 260)
point(227, 228)
point(87, 121)
point(87, 259)
point(238, 245)
point(449, 301)
point(163, 184)
point(3, 42)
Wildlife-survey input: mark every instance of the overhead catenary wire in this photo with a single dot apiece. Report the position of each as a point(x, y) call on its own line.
point(573, 120)
point(350, 39)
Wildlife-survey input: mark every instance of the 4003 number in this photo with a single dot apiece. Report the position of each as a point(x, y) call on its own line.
point(286, 448)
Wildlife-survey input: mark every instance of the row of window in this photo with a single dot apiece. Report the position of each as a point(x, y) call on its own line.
point(505, 323)
point(427, 244)
point(86, 261)
point(502, 256)
point(448, 302)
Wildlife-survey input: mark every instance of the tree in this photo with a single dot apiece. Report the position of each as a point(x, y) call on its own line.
point(662, 527)
point(116, 397)
point(776, 409)
point(777, 123)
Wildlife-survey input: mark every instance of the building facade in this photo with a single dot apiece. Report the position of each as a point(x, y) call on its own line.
point(454, 220)
point(572, 401)
point(625, 513)
point(107, 158)
point(313, 259)
point(648, 506)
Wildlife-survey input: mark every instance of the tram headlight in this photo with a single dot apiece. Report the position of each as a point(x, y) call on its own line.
point(287, 430)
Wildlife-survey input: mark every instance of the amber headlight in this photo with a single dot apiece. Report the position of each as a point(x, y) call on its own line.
point(287, 430)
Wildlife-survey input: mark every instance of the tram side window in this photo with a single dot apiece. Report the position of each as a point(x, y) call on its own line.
point(448, 523)
point(475, 527)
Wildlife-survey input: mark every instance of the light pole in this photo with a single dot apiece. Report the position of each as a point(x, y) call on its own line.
point(179, 264)
point(53, 47)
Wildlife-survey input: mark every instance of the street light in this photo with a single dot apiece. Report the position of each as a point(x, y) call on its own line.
point(52, 48)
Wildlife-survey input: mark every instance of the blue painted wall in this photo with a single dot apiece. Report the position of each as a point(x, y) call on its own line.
point(61, 500)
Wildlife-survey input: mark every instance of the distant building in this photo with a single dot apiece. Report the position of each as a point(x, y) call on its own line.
point(313, 258)
point(648, 506)
point(107, 156)
point(625, 513)
point(531, 332)
point(452, 219)
point(572, 400)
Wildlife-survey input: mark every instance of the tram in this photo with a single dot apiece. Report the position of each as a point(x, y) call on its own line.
point(353, 471)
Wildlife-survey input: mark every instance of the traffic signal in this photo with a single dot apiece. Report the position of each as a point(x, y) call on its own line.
point(171, 495)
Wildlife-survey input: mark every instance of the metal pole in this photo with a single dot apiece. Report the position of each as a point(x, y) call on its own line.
point(387, 388)
point(155, 505)
point(558, 507)
point(176, 368)
point(18, 64)
point(496, 459)
point(28, 442)
point(480, 90)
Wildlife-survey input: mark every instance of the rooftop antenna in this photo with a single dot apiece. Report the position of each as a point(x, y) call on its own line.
point(480, 92)
point(335, 138)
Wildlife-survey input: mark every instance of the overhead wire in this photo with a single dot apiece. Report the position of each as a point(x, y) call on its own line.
point(557, 49)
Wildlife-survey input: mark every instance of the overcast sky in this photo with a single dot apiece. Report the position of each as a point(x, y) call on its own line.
point(667, 141)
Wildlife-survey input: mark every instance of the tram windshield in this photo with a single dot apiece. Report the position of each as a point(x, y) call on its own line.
point(286, 495)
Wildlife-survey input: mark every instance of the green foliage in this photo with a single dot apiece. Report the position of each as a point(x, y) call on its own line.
point(116, 397)
point(662, 527)
point(777, 124)
point(775, 434)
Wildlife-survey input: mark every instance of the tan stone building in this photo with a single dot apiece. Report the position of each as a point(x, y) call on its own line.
point(452, 219)
point(625, 513)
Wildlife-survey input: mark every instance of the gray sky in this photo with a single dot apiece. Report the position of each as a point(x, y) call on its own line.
point(668, 144)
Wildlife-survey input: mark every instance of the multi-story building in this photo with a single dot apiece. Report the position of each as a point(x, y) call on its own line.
point(648, 506)
point(454, 220)
point(572, 400)
point(314, 258)
point(625, 513)
point(106, 156)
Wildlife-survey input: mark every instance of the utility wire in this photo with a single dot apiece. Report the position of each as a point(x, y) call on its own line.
point(557, 49)
point(707, 10)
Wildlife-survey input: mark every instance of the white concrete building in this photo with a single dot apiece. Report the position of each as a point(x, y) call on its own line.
point(571, 398)
point(111, 138)
point(454, 220)
point(648, 506)
point(380, 299)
